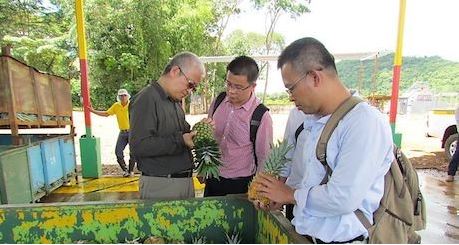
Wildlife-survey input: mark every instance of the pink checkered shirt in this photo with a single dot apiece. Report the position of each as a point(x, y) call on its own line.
point(233, 134)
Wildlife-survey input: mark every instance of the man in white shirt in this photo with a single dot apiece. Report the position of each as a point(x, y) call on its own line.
point(293, 171)
point(359, 151)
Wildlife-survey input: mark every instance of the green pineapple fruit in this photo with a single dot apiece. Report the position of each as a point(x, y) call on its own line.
point(234, 238)
point(273, 165)
point(206, 151)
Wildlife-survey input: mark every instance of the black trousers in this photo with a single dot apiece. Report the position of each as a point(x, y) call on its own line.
point(452, 167)
point(226, 186)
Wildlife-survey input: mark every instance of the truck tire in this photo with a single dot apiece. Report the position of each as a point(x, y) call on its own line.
point(450, 146)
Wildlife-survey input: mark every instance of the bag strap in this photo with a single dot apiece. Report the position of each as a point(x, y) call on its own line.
point(332, 123)
point(298, 131)
point(255, 122)
point(321, 149)
point(218, 101)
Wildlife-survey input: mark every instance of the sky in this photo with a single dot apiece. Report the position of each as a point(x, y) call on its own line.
point(431, 27)
point(347, 26)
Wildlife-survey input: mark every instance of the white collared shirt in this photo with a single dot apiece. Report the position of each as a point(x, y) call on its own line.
point(294, 169)
point(360, 153)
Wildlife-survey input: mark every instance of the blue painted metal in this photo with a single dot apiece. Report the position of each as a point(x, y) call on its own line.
point(67, 149)
point(37, 176)
point(5, 139)
point(52, 160)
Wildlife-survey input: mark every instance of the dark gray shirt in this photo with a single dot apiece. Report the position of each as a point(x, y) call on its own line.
point(157, 124)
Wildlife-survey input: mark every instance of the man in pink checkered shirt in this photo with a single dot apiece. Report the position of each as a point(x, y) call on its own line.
point(232, 130)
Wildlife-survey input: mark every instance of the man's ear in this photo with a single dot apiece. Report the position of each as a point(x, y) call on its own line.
point(175, 71)
point(317, 78)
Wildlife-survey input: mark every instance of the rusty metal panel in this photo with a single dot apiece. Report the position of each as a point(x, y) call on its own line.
point(45, 93)
point(4, 91)
point(23, 88)
point(30, 98)
point(62, 95)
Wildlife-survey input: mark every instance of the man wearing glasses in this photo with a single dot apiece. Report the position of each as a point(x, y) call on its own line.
point(359, 152)
point(160, 137)
point(241, 157)
point(120, 109)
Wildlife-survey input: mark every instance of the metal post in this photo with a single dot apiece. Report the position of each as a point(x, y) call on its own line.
point(396, 74)
point(89, 145)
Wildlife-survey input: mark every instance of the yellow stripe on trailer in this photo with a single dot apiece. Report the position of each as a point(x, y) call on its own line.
point(443, 111)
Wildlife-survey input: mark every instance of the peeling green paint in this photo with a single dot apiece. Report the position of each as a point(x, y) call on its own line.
point(118, 222)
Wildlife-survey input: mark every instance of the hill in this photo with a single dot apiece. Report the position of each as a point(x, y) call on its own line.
point(442, 75)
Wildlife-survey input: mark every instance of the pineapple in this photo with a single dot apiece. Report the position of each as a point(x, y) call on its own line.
point(199, 240)
point(273, 165)
point(206, 152)
point(154, 240)
point(233, 238)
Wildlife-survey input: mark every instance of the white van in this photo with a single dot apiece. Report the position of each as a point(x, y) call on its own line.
point(441, 123)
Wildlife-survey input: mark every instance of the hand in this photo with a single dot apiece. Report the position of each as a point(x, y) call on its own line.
point(275, 190)
point(210, 121)
point(270, 207)
point(188, 139)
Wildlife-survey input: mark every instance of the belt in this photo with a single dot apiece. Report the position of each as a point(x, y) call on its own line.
point(318, 241)
point(240, 178)
point(124, 131)
point(183, 174)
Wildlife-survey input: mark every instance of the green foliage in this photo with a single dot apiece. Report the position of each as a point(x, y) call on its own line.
point(132, 41)
point(441, 75)
point(276, 99)
point(39, 36)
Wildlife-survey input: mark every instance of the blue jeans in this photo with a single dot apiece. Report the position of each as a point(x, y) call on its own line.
point(121, 143)
point(452, 167)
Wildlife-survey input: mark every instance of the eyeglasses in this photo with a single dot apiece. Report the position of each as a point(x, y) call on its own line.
point(290, 89)
point(191, 84)
point(237, 88)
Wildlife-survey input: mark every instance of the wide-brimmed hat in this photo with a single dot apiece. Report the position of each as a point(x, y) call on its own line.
point(123, 92)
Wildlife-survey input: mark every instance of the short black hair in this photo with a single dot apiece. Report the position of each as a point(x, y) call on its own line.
point(245, 66)
point(306, 54)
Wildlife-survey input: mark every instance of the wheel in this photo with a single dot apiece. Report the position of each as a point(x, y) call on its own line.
point(450, 146)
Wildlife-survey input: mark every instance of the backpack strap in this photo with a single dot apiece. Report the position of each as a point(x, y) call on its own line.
point(298, 131)
point(332, 123)
point(321, 149)
point(218, 101)
point(255, 122)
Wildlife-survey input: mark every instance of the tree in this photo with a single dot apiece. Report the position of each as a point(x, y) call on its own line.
point(274, 9)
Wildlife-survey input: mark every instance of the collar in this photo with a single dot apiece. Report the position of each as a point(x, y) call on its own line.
point(162, 93)
point(127, 104)
point(247, 105)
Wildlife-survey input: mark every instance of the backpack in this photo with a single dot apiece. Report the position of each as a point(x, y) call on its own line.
point(402, 209)
point(255, 120)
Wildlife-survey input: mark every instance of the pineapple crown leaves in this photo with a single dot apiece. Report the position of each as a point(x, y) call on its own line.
point(206, 154)
point(234, 238)
point(277, 158)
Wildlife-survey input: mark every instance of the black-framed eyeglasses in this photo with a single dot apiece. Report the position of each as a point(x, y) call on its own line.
point(290, 89)
point(191, 84)
point(237, 88)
